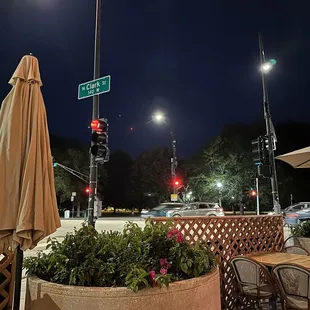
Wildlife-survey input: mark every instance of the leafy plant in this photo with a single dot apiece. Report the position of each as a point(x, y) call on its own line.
point(137, 258)
point(302, 230)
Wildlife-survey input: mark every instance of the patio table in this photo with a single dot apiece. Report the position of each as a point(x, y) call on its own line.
point(271, 259)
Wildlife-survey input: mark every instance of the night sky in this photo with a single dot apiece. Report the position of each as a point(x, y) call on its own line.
point(196, 60)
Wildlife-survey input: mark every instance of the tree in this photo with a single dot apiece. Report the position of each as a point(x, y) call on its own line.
point(221, 163)
point(150, 175)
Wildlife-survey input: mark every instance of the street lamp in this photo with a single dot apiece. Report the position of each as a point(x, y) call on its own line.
point(266, 67)
point(160, 118)
point(219, 184)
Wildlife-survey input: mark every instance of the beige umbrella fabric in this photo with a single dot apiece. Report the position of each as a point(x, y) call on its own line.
point(28, 206)
point(297, 159)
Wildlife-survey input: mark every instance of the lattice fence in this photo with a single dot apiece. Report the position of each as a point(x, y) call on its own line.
point(6, 278)
point(230, 236)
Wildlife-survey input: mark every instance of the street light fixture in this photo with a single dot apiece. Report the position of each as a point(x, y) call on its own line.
point(269, 127)
point(160, 118)
point(219, 184)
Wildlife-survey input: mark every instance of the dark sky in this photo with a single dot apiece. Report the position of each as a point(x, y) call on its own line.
point(197, 60)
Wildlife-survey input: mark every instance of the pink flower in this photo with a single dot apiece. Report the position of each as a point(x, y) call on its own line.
point(163, 271)
point(163, 261)
point(152, 274)
point(177, 234)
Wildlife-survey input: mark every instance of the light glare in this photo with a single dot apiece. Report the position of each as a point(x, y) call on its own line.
point(266, 67)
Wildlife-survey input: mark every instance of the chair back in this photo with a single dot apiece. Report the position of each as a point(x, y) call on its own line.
point(291, 241)
point(295, 249)
point(249, 273)
point(293, 282)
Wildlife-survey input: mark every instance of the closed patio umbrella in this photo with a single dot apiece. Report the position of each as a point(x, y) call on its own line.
point(28, 206)
point(297, 159)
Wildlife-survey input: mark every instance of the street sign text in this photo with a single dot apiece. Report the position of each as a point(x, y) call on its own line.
point(94, 87)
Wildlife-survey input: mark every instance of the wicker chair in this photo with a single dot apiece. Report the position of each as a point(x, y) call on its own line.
point(295, 249)
point(291, 241)
point(254, 281)
point(293, 281)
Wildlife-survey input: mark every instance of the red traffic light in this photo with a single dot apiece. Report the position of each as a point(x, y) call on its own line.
point(177, 183)
point(99, 125)
point(253, 193)
point(87, 190)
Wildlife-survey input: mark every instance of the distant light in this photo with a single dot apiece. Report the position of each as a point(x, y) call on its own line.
point(159, 117)
point(219, 184)
point(273, 61)
point(266, 67)
point(54, 164)
point(131, 128)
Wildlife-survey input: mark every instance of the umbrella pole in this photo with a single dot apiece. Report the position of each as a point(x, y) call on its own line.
point(18, 278)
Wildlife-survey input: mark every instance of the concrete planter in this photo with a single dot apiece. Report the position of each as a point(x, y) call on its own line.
point(195, 294)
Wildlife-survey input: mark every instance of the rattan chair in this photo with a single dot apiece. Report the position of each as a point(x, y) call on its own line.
point(293, 281)
point(291, 241)
point(295, 249)
point(254, 282)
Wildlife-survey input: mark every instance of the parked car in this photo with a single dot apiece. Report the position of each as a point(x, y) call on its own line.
point(297, 213)
point(182, 209)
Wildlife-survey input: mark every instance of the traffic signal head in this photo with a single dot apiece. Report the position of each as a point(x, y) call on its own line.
point(87, 190)
point(259, 151)
point(100, 140)
point(177, 183)
point(54, 162)
point(253, 193)
point(99, 125)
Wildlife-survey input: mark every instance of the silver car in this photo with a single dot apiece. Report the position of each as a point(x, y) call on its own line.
point(182, 209)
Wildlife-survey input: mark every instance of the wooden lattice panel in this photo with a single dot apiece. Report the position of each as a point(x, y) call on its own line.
point(230, 236)
point(6, 278)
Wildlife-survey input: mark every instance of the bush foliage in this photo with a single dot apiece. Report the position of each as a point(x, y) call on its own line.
point(137, 258)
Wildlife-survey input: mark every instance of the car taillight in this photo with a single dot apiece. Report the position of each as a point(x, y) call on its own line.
point(219, 209)
point(294, 215)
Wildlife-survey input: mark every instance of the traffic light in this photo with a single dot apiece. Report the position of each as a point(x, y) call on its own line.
point(54, 162)
point(177, 183)
point(87, 190)
point(100, 140)
point(259, 151)
point(253, 193)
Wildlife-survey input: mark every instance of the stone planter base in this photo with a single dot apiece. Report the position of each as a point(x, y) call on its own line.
point(194, 294)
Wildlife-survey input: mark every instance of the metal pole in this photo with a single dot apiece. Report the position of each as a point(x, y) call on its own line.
point(173, 161)
point(93, 169)
point(257, 197)
point(267, 116)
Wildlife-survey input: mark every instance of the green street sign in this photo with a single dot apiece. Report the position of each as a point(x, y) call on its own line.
point(94, 87)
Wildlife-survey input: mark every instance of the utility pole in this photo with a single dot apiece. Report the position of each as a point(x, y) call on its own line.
point(93, 169)
point(257, 197)
point(269, 133)
point(173, 161)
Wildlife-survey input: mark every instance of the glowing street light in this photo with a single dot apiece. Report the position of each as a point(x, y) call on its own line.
point(159, 117)
point(267, 66)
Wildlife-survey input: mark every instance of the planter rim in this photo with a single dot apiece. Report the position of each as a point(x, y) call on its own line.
point(122, 291)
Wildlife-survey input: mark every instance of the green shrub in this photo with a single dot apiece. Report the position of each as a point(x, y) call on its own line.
point(137, 258)
point(301, 230)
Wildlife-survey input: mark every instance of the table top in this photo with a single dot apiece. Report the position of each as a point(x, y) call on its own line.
point(275, 258)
